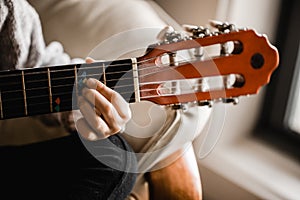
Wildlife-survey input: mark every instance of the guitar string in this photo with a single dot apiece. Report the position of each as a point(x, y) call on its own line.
point(68, 100)
point(89, 67)
point(66, 85)
point(112, 80)
point(41, 110)
point(122, 93)
point(87, 76)
point(62, 78)
point(46, 109)
point(78, 77)
point(91, 75)
point(69, 93)
point(71, 69)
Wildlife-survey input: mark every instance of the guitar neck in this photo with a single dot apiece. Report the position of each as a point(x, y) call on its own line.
point(54, 89)
point(242, 71)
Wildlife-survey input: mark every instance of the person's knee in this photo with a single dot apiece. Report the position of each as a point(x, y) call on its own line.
point(117, 166)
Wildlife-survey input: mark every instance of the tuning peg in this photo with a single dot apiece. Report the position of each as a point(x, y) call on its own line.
point(233, 100)
point(169, 35)
point(222, 26)
point(189, 28)
point(197, 31)
point(216, 23)
point(182, 106)
point(205, 103)
point(162, 34)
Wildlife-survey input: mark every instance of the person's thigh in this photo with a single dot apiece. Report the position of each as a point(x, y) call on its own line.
point(65, 168)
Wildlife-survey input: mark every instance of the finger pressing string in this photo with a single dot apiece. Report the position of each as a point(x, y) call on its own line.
point(93, 119)
point(102, 106)
point(100, 87)
point(121, 106)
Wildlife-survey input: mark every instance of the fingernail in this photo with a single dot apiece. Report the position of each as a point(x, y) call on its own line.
point(89, 60)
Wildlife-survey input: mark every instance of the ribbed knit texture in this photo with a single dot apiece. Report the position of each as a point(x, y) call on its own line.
point(22, 46)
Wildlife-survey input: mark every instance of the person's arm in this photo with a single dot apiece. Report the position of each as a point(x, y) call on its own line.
point(23, 46)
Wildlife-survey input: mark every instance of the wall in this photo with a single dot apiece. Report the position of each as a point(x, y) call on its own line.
point(239, 120)
point(196, 12)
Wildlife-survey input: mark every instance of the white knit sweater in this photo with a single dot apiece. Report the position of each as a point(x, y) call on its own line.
point(22, 46)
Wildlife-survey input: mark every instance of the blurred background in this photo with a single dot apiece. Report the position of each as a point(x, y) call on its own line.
point(257, 155)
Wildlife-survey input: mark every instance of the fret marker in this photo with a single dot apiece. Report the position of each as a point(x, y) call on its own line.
point(57, 107)
point(57, 101)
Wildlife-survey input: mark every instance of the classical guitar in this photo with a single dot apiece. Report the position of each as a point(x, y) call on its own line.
point(244, 64)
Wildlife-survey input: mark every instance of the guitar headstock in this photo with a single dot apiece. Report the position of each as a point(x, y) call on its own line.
point(178, 70)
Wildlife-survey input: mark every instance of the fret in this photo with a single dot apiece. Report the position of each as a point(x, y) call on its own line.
point(37, 90)
point(44, 90)
point(12, 96)
point(62, 86)
point(77, 90)
point(116, 74)
point(136, 80)
point(76, 81)
point(1, 108)
point(50, 90)
point(119, 77)
point(103, 72)
point(24, 94)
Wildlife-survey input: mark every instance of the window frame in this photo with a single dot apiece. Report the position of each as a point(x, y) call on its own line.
point(271, 126)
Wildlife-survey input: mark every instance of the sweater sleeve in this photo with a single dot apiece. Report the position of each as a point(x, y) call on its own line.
point(22, 46)
point(51, 54)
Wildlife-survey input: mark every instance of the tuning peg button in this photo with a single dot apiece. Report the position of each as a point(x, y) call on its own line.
point(205, 103)
point(169, 35)
point(216, 23)
point(197, 31)
point(162, 35)
point(233, 100)
point(189, 28)
point(223, 27)
point(184, 107)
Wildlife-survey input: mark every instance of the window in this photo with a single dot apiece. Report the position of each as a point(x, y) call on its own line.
point(280, 119)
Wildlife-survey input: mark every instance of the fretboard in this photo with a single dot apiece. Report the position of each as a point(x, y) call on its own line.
point(53, 89)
